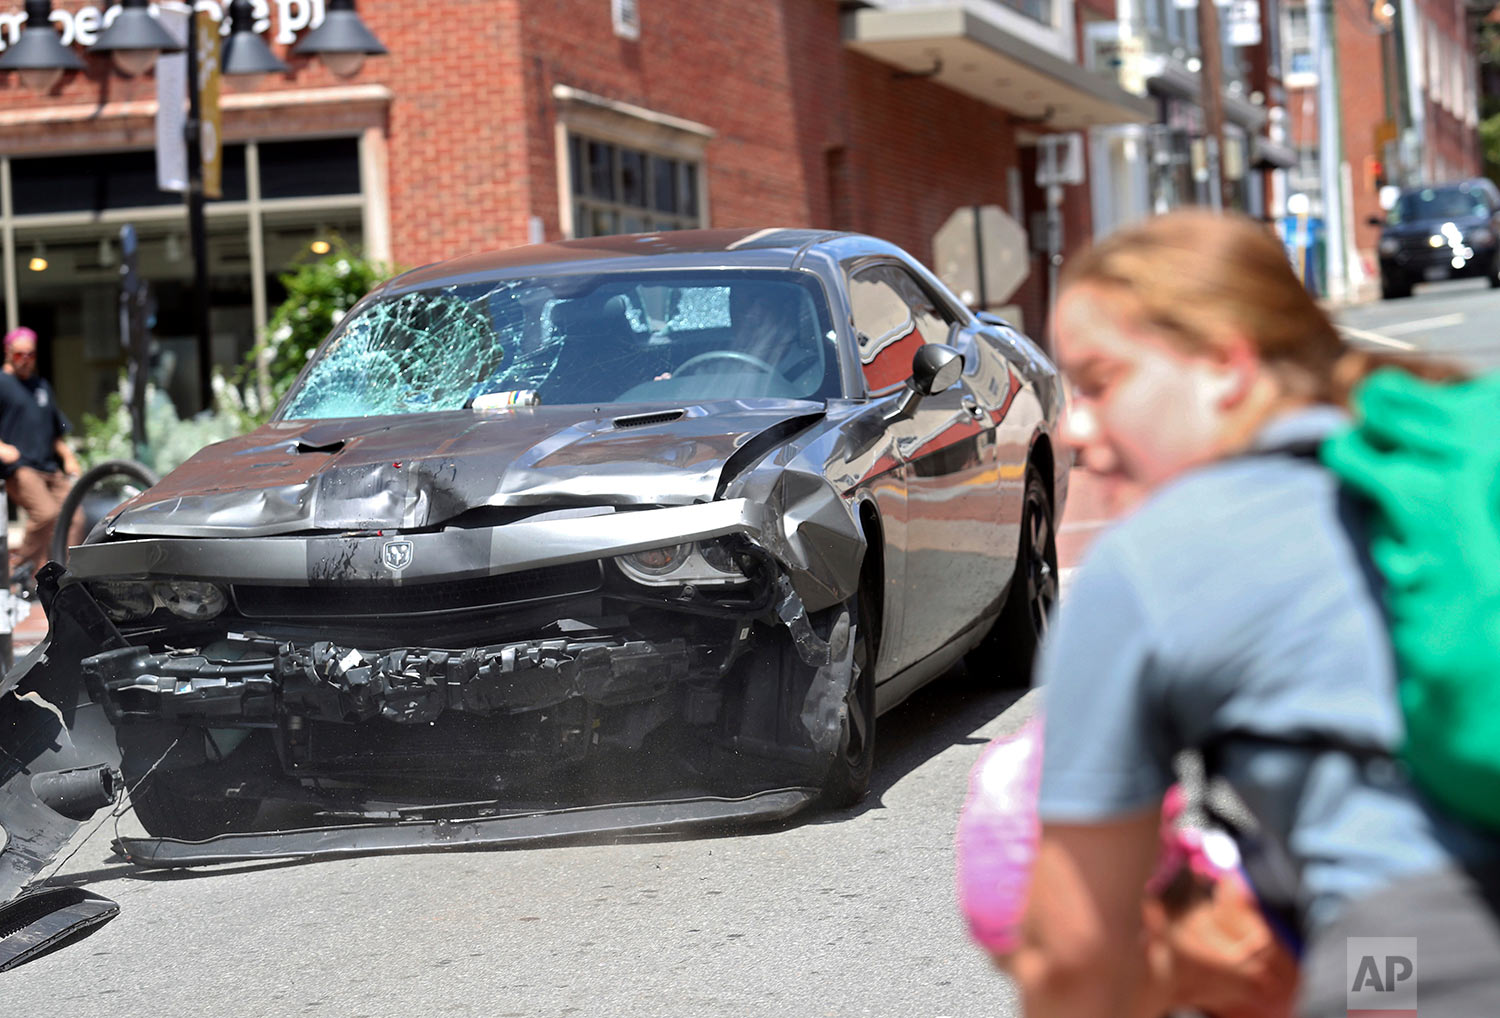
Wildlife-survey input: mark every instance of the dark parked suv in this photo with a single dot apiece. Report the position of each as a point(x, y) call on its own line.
point(1441, 232)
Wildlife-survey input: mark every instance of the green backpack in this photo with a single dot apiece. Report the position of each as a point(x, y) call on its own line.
point(1427, 457)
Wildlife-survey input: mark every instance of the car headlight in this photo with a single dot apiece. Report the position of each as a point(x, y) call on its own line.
point(124, 600)
point(655, 562)
point(130, 600)
point(1437, 240)
point(1389, 246)
point(706, 563)
point(190, 599)
point(1481, 236)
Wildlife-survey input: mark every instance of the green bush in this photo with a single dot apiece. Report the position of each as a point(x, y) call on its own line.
point(318, 293)
point(170, 439)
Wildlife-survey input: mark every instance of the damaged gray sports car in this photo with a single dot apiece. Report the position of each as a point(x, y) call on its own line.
point(616, 534)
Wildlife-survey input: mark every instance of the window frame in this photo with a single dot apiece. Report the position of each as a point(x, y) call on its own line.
point(688, 175)
point(596, 118)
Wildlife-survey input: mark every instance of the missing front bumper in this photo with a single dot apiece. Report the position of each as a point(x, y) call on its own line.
point(513, 830)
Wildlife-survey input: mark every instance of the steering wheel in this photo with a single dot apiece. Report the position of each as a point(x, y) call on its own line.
point(739, 356)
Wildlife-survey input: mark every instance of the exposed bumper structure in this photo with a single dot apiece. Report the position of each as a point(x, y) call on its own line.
point(505, 728)
point(536, 828)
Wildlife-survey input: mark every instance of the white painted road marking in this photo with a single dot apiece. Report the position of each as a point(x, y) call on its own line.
point(1440, 322)
point(1375, 337)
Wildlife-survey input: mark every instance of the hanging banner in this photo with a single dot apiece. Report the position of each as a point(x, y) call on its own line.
point(171, 100)
point(211, 118)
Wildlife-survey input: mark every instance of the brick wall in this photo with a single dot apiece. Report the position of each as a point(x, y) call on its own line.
point(1363, 101)
point(806, 132)
point(723, 65)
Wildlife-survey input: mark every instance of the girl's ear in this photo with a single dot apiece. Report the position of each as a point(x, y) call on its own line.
point(1238, 366)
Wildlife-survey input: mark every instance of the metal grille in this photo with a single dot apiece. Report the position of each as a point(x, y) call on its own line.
point(643, 420)
point(365, 601)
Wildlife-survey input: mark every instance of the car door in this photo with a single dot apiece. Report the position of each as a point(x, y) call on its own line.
point(953, 550)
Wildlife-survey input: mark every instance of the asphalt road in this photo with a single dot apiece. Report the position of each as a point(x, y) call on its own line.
point(844, 914)
point(1458, 321)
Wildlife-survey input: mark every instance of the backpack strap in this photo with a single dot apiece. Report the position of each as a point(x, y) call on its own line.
point(1302, 449)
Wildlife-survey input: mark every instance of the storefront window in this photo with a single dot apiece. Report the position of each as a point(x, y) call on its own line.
point(303, 169)
point(65, 218)
point(120, 180)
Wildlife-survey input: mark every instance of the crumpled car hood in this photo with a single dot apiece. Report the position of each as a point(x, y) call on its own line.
point(425, 469)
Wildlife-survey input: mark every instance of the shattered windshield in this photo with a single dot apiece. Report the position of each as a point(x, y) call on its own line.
point(643, 337)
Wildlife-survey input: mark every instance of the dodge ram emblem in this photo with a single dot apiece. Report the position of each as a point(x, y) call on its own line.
point(396, 555)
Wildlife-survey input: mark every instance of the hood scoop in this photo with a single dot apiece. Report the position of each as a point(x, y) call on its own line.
point(337, 445)
point(644, 420)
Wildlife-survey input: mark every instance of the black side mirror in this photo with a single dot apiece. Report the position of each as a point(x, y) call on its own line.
point(934, 368)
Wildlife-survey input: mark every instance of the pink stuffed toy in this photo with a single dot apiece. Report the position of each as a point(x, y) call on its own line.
point(997, 837)
point(998, 833)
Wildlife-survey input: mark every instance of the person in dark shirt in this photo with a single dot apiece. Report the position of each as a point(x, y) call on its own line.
point(38, 465)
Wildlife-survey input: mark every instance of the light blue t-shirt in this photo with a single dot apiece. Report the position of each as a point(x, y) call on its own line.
point(1236, 601)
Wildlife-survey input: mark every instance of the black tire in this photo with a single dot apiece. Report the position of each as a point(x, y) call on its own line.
point(1394, 289)
point(166, 812)
point(1006, 655)
point(849, 775)
point(91, 478)
point(1494, 273)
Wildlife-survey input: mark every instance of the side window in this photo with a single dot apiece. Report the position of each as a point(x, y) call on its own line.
point(893, 317)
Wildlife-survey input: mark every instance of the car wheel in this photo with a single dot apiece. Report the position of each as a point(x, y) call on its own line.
point(849, 775)
point(1393, 289)
point(1494, 273)
point(166, 812)
point(1007, 653)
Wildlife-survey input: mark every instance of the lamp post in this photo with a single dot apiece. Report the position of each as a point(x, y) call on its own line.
point(135, 39)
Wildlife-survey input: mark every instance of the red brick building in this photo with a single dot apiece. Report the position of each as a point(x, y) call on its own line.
point(497, 123)
point(1404, 129)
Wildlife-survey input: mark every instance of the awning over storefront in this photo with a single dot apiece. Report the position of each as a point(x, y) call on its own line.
point(1168, 77)
point(1266, 154)
point(968, 53)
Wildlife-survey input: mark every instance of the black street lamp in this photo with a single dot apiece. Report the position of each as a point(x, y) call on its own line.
point(39, 55)
point(342, 41)
point(135, 39)
point(244, 52)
